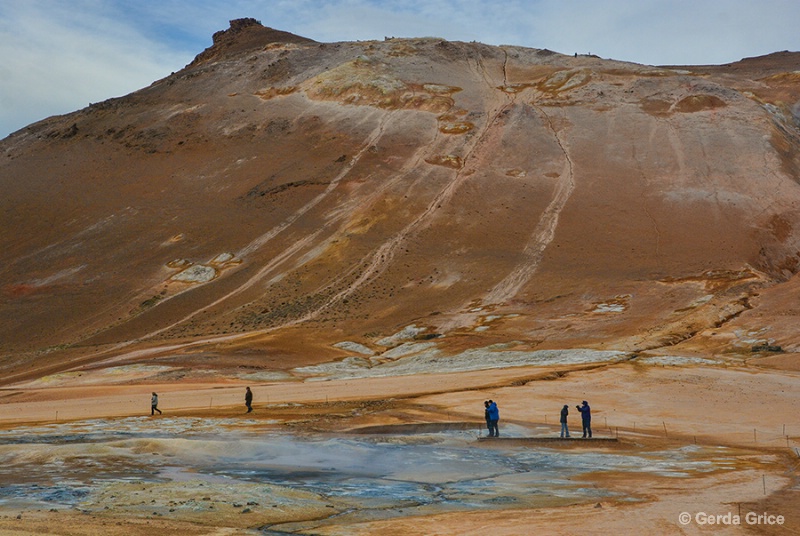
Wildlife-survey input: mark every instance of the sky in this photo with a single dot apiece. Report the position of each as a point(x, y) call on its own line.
point(58, 56)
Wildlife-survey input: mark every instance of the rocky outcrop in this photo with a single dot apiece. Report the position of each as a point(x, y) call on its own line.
point(243, 35)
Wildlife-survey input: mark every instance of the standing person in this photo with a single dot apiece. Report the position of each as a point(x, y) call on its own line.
point(248, 400)
point(586, 418)
point(154, 405)
point(564, 428)
point(486, 416)
point(494, 417)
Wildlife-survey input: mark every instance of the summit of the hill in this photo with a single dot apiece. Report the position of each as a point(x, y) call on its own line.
point(243, 35)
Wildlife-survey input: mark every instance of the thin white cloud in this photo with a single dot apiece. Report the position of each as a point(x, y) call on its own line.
point(58, 56)
point(658, 32)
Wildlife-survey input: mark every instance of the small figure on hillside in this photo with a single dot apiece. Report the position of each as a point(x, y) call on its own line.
point(486, 416)
point(586, 418)
point(248, 400)
point(494, 416)
point(154, 405)
point(564, 428)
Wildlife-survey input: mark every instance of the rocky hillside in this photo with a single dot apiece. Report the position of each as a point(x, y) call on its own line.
point(279, 196)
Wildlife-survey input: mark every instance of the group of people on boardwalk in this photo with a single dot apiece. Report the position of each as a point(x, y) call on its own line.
point(492, 415)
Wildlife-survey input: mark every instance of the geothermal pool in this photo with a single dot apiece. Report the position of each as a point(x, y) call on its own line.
point(253, 473)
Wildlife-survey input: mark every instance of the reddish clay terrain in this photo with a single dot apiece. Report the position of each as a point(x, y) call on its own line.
point(282, 210)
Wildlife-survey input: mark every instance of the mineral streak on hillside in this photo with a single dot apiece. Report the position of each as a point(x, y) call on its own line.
point(281, 195)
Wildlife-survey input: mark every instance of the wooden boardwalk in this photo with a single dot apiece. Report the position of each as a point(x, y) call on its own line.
point(428, 428)
point(549, 439)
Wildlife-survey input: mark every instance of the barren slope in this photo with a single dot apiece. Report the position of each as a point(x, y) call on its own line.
point(280, 195)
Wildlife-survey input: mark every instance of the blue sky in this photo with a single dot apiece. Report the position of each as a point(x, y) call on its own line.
point(57, 56)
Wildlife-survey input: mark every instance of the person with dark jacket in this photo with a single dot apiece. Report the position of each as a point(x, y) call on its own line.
point(564, 428)
point(248, 399)
point(586, 418)
point(486, 416)
point(494, 417)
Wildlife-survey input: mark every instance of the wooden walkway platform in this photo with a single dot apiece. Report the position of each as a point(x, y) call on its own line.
point(549, 439)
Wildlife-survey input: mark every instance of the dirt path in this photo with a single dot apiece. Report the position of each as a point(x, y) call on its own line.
point(381, 258)
point(371, 140)
point(543, 233)
point(295, 248)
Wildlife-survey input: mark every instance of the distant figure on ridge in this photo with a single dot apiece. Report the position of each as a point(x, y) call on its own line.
point(564, 428)
point(248, 400)
point(494, 416)
point(586, 418)
point(154, 405)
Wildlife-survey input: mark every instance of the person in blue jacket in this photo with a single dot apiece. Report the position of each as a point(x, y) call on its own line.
point(586, 418)
point(494, 415)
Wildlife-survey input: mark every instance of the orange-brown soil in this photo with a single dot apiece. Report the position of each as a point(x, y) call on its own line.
point(745, 409)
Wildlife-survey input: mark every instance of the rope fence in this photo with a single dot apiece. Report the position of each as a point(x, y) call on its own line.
point(764, 437)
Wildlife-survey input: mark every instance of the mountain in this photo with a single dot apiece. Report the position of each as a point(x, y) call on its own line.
point(279, 196)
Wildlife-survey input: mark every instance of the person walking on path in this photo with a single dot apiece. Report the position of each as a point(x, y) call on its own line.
point(154, 405)
point(586, 418)
point(494, 417)
point(564, 428)
point(248, 400)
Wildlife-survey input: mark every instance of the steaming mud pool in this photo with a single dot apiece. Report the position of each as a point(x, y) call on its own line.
point(248, 473)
